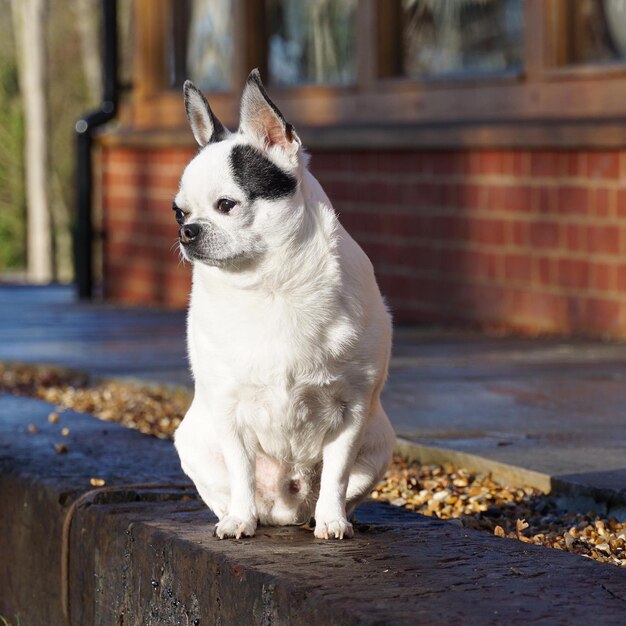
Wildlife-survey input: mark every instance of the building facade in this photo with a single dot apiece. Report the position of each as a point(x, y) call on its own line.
point(476, 149)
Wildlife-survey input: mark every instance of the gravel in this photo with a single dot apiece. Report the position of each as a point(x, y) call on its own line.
point(447, 492)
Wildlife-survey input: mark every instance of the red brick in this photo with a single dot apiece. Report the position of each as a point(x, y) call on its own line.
point(517, 267)
point(575, 237)
point(573, 200)
point(622, 163)
point(545, 199)
point(575, 312)
point(471, 163)
point(536, 309)
point(461, 230)
point(495, 197)
point(477, 264)
point(519, 233)
point(395, 162)
point(602, 276)
point(603, 239)
point(469, 196)
point(447, 163)
point(602, 164)
point(569, 165)
point(124, 155)
point(450, 195)
point(517, 198)
point(544, 234)
point(393, 223)
point(443, 227)
point(544, 163)
point(603, 315)
point(435, 194)
point(142, 178)
point(620, 278)
point(621, 201)
point(325, 161)
point(421, 257)
point(491, 161)
point(452, 260)
point(488, 231)
point(602, 201)
point(545, 270)
point(486, 303)
point(520, 163)
point(573, 274)
point(139, 280)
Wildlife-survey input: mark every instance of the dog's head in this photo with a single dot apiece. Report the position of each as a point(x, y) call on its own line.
point(240, 196)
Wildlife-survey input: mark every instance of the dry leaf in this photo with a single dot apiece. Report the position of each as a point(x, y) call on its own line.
point(520, 526)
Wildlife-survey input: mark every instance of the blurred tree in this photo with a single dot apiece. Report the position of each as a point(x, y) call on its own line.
point(29, 18)
point(74, 87)
point(12, 199)
point(71, 35)
point(87, 25)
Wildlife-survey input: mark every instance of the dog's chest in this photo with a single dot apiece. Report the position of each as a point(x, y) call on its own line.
point(279, 369)
point(289, 421)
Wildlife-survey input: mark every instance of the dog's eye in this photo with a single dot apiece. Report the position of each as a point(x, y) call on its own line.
point(178, 213)
point(224, 205)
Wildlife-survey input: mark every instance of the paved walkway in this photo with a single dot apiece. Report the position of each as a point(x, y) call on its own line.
point(551, 412)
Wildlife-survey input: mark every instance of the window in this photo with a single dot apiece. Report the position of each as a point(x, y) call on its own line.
point(591, 32)
point(311, 41)
point(448, 65)
point(202, 39)
point(434, 38)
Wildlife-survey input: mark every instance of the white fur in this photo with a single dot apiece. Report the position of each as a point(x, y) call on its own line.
point(289, 353)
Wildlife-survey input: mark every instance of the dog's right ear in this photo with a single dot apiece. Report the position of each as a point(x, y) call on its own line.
point(205, 126)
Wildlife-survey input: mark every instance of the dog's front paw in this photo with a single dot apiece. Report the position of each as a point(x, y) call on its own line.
point(333, 529)
point(235, 527)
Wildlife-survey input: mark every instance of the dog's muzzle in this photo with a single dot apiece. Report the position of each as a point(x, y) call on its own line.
point(188, 232)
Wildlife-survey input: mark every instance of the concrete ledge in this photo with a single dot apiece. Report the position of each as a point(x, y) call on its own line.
point(146, 556)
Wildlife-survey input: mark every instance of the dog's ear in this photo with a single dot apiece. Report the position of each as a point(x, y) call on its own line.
point(205, 126)
point(261, 119)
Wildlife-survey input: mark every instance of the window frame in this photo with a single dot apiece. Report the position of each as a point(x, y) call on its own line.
point(542, 94)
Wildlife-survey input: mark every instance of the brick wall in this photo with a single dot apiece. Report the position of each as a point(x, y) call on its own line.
point(141, 263)
point(532, 240)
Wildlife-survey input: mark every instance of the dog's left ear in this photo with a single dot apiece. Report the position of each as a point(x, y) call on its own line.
point(261, 120)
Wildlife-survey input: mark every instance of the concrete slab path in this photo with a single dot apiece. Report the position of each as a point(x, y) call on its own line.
point(547, 411)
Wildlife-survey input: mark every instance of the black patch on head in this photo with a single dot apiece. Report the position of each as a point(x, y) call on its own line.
point(258, 176)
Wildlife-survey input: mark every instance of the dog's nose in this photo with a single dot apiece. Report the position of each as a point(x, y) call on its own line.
point(188, 232)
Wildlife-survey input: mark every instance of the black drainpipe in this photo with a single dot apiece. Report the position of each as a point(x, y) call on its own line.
point(84, 127)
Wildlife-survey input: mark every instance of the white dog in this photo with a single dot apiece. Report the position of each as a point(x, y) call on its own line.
point(288, 336)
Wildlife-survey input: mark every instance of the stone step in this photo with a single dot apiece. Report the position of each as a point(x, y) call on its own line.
point(146, 555)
